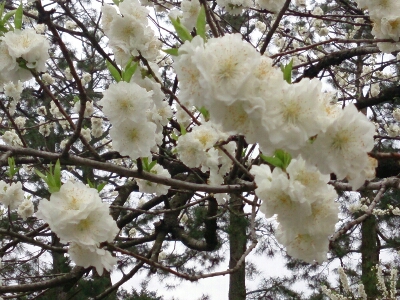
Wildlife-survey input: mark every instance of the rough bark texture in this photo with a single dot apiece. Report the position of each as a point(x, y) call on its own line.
point(369, 256)
point(237, 244)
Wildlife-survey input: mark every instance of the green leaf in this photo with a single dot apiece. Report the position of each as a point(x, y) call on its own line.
point(98, 187)
point(41, 175)
point(57, 174)
point(284, 157)
point(116, 2)
point(101, 186)
point(91, 184)
point(174, 136)
point(8, 15)
point(128, 64)
point(172, 51)
point(181, 30)
point(281, 159)
point(53, 189)
point(145, 163)
point(276, 162)
point(114, 72)
point(151, 165)
point(183, 130)
point(53, 179)
point(18, 17)
point(129, 71)
point(287, 71)
point(2, 9)
point(204, 112)
point(12, 170)
point(201, 23)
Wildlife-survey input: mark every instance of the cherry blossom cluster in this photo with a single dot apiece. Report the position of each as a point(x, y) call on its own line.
point(188, 13)
point(384, 15)
point(196, 150)
point(304, 205)
point(235, 7)
point(129, 33)
point(22, 51)
point(134, 114)
point(12, 197)
point(149, 187)
point(137, 117)
point(246, 95)
point(78, 216)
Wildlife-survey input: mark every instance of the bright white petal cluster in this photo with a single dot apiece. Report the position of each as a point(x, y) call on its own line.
point(13, 90)
point(22, 45)
point(196, 150)
point(134, 139)
point(92, 256)
point(271, 5)
point(26, 209)
point(149, 187)
point(384, 15)
point(187, 71)
point(130, 34)
point(77, 215)
point(235, 7)
point(11, 195)
point(124, 101)
point(293, 115)
point(225, 65)
point(304, 204)
point(11, 138)
point(246, 95)
point(190, 11)
point(125, 104)
point(304, 246)
point(342, 148)
point(193, 146)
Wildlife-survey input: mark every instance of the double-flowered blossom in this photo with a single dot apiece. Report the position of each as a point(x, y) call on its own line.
point(226, 66)
point(342, 148)
point(235, 7)
point(190, 11)
point(304, 205)
point(384, 15)
point(125, 101)
point(11, 195)
point(271, 5)
point(92, 256)
point(129, 33)
point(146, 186)
point(77, 215)
point(192, 147)
point(197, 149)
point(125, 105)
point(293, 115)
point(246, 95)
point(22, 46)
point(26, 209)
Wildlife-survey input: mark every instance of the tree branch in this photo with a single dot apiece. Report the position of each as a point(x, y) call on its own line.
point(76, 273)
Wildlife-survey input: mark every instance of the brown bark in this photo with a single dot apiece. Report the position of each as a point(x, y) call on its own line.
point(237, 244)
